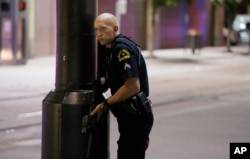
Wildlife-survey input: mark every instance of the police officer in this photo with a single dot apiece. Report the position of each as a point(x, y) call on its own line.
point(124, 69)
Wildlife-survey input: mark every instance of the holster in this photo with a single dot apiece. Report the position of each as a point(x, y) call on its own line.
point(143, 102)
point(136, 105)
point(129, 107)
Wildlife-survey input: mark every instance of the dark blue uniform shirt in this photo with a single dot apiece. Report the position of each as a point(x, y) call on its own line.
point(124, 60)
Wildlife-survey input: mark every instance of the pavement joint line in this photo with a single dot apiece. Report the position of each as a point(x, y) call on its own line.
point(30, 114)
point(29, 95)
point(20, 127)
point(29, 142)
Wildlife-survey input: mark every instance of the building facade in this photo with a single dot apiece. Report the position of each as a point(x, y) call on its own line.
point(172, 24)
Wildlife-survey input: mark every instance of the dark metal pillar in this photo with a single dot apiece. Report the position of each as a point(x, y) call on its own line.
point(64, 108)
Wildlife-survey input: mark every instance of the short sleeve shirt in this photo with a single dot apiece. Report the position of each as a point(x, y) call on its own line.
point(125, 61)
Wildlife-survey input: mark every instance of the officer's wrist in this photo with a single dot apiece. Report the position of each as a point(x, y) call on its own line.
point(106, 103)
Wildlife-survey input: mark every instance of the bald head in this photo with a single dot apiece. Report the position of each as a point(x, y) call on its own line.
point(106, 28)
point(107, 18)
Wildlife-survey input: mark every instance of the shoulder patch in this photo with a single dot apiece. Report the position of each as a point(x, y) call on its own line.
point(123, 55)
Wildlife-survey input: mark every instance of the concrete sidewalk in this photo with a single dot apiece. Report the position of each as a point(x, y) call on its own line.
point(37, 77)
point(31, 83)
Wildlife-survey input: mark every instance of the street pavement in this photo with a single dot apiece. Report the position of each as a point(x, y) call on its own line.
point(201, 104)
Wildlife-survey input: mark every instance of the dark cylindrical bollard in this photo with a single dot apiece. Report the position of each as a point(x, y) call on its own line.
point(65, 107)
point(62, 137)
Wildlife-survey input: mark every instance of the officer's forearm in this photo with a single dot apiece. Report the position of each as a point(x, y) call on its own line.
point(130, 88)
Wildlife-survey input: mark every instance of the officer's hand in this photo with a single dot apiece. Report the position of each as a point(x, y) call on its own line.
point(97, 108)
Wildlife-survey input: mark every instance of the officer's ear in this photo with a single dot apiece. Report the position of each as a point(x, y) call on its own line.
point(116, 28)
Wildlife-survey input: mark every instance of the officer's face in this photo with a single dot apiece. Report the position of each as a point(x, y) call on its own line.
point(105, 33)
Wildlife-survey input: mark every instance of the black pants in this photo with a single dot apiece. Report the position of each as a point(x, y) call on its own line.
point(134, 133)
